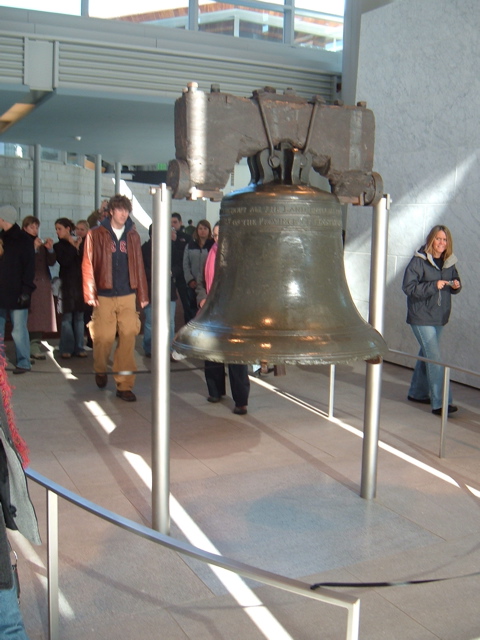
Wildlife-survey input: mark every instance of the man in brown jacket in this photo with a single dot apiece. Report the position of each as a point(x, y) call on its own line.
point(113, 275)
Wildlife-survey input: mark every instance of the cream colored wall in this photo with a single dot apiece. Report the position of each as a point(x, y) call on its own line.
point(418, 72)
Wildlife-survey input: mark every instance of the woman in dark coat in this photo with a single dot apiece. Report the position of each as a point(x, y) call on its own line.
point(68, 251)
point(41, 316)
point(215, 371)
point(430, 280)
point(194, 258)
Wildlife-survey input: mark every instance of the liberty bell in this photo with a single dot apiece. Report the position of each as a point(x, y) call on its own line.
point(280, 293)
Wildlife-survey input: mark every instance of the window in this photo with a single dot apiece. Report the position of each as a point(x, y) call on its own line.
point(317, 23)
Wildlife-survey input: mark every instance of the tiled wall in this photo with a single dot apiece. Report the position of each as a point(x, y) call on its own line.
point(69, 191)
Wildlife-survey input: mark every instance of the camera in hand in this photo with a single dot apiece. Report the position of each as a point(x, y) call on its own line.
point(23, 301)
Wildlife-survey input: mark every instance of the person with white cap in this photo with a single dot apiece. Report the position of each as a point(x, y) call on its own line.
point(17, 272)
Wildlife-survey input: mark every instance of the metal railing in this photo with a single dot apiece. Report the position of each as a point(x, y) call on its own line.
point(350, 603)
point(446, 382)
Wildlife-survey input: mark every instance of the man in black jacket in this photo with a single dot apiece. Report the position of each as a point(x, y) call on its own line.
point(179, 241)
point(147, 328)
point(17, 272)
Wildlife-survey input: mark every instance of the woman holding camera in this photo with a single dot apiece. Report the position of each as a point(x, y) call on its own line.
point(194, 258)
point(430, 279)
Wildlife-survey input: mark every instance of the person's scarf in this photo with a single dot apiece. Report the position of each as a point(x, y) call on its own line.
point(7, 411)
point(210, 267)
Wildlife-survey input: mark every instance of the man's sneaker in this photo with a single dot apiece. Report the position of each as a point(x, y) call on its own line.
point(101, 380)
point(127, 395)
point(177, 356)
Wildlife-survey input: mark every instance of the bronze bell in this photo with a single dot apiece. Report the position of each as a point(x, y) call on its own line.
point(280, 292)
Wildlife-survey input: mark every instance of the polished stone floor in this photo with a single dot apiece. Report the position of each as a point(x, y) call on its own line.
point(277, 489)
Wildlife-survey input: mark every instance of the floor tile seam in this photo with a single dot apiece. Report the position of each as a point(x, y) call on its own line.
point(71, 480)
point(334, 421)
point(396, 399)
point(413, 450)
point(77, 483)
point(319, 413)
point(194, 457)
point(208, 466)
point(146, 601)
point(83, 625)
point(430, 573)
point(414, 523)
point(298, 441)
point(96, 450)
point(267, 442)
point(433, 478)
point(210, 595)
point(429, 458)
point(409, 615)
point(360, 591)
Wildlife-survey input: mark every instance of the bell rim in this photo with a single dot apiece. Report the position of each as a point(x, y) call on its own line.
point(367, 345)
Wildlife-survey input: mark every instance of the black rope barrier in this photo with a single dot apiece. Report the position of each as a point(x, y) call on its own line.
point(108, 373)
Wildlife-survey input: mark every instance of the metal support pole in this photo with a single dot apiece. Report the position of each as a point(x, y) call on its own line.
point(52, 554)
point(446, 385)
point(192, 19)
point(98, 180)
point(331, 395)
point(118, 176)
point(37, 163)
point(288, 22)
point(161, 340)
point(373, 384)
point(353, 622)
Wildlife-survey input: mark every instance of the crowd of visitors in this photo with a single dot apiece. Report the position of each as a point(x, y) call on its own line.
point(105, 275)
point(104, 282)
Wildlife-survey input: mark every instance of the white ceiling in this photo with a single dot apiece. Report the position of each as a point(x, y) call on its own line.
point(121, 129)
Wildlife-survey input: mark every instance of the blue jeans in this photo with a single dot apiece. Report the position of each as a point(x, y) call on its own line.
point(147, 327)
point(11, 623)
point(20, 335)
point(427, 379)
point(71, 333)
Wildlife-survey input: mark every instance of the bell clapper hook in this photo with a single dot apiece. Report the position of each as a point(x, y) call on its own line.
point(273, 160)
